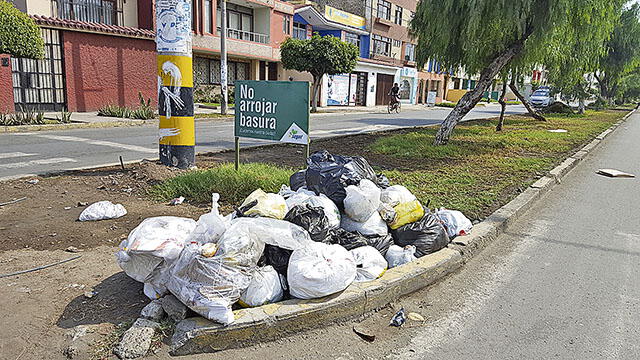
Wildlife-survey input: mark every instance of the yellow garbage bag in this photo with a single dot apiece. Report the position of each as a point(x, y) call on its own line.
point(269, 205)
point(406, 213)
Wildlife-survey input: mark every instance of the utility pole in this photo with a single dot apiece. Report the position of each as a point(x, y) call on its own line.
point(223, 57)
point(176, 132)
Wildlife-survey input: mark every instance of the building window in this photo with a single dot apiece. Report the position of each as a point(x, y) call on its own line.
point(240, 24)
point(206, 71)
point(410, 52)
point(396, 43)
point(299, 31)
point(384, 9)
point(381, 45)
point(398, 19)
point(286, 25)
point(352, 38)
point(95, 11)
point(208, 21)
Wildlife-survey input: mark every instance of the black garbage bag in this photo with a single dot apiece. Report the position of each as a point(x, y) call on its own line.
point(276, 257)
point(352, 240)
point(327, 174)
point(427, 235)
point(382, 181)
point(360, 166)
point(297, 180)
point(310, 218)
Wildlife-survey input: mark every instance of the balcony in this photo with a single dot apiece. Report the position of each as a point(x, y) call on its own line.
point(94, 11)
point(246, 35)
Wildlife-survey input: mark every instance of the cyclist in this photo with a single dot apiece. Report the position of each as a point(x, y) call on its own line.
point(395, 94)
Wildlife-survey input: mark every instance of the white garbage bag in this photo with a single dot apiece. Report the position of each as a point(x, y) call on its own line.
point(373, 226)
point(370, 264)
point(102, 210)
point(362, 200)
point(319, 270)
point(211, 225)
point(150, 248)
point(268, 205)
point(265, 288)
point(286, 192)
point(454, 222)
point(396, 194)
point(397, 255)
point(304, 196)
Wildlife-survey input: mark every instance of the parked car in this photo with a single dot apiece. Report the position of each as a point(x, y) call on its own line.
point(541, 98)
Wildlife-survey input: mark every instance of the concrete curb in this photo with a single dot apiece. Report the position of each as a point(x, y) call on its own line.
point(272, 321)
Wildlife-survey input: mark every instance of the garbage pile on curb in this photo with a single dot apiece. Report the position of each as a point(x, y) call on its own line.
point(337, 222)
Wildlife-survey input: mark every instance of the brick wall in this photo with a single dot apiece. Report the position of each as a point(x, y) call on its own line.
point(104, 69)
point(6, 85)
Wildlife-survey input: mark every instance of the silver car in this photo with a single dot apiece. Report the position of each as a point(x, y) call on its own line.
point(541, 98)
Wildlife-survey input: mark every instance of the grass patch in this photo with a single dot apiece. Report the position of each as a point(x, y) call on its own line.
point(446, 104)
point(481, 169)
point(233, 186)
point(212, 116)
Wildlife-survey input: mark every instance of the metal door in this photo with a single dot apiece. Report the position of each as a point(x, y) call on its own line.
point(39, 84)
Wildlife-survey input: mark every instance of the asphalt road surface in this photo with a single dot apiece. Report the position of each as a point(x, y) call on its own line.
point(33, 153)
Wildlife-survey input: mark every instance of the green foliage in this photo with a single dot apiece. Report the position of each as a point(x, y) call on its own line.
point(623, 52)
point(19, 34)
point(629, 89)
point(65, 117)
point(233, 186)
point(319, 55)
point(27, 116)
point(460, 33)
point(479, 169)
point(144, 111)
point(446, 104)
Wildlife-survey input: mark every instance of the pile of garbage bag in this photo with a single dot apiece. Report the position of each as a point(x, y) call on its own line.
point(335, 223)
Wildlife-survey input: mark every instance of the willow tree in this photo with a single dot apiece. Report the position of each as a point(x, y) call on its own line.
point(19, 34)
point(623, 53)
point(485, 36)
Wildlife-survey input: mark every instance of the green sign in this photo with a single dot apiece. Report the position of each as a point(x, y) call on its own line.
point(272, 110)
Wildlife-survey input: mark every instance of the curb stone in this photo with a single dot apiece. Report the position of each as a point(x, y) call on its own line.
point(272, 321)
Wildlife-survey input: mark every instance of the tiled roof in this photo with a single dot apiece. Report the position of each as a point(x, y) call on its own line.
point(89, 26)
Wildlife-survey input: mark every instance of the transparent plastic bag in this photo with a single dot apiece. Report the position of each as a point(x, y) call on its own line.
point(151, 247)
point(362, 200)
point(397, 255)
point(319, 270)
point(455, 222)
point(370, 264)
point(211, 225)
point(396, 194)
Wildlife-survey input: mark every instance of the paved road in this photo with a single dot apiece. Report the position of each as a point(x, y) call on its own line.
point(23, 154)
point(563, 283)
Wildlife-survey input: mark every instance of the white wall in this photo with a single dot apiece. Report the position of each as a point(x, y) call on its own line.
point(39, 7)
point(130, 13)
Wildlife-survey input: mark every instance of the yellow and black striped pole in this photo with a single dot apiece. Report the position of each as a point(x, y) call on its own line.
point(175, 83)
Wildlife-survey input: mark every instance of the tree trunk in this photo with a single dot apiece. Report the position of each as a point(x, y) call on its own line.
point(603, 83)
point(471, 98)
point(503, 105)
point(314, 93)
point(524, 102)
point(581, 106)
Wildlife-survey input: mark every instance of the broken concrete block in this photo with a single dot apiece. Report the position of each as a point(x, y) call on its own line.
point(174, 308)
point(137, 340)
point(153, 311)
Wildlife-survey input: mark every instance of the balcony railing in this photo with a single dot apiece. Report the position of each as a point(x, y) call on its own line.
point(95, 11)
point(246, 35)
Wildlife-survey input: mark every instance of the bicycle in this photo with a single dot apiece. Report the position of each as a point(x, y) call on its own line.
point(394, 106)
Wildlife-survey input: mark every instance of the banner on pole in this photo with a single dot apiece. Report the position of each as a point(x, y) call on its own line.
point(272, 110)
point(174, 26)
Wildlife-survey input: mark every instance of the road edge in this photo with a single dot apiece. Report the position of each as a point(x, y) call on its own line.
point(272, 321)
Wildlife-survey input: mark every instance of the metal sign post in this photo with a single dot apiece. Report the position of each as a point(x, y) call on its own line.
point(272, 110)
point(175, 83)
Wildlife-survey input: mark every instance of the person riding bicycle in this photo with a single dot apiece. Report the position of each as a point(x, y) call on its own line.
point(395, 94)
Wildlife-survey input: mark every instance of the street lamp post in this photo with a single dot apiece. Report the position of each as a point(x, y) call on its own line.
point(223, 57)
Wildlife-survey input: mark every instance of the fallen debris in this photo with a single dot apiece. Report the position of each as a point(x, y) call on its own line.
point(33, 181)
point(365, 333)
point(558, 131)
point(415, 317)
point(72, 249)
point(614, 173)
point(39, 267)
point(102, 210)
point(174, 308)
point(153, 311)
point(13, 201)
point(398, 319)
point(137, 340)
point(177, 201)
